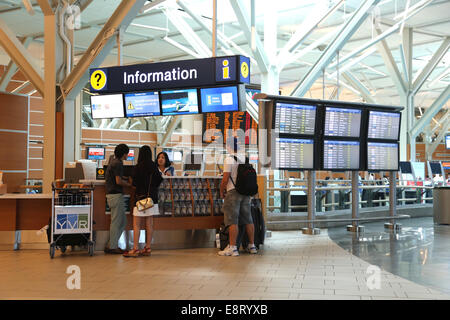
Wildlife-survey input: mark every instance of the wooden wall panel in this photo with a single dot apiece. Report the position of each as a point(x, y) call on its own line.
point(36, 131)
point(14, 180)
point(36, 152)
point(13, 112)
point(14, 151)
point(35, 174)
point(36, 118)
point(36, 104)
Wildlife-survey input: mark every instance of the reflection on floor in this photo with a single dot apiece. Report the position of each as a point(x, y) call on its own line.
point(420, 252)
point(290, 266)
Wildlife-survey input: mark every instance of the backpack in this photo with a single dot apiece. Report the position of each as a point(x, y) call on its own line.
point(246, 181)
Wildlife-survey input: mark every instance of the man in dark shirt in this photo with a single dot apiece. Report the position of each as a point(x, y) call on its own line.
point(114, 197)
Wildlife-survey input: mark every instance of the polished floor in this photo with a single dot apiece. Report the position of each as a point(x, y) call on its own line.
point(290, 266)
point(420, 252)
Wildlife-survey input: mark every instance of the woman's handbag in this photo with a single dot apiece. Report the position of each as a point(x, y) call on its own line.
point(147, 202)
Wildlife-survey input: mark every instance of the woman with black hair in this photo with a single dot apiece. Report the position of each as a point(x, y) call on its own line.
point(146, 179)
point(164, 164)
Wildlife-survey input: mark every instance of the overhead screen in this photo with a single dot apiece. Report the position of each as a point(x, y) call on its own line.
point(292, 153)
point(341, 122)
point(341, 155)
point(382, 156)
point(384, 125)
point(293, 118)
point(219, 99)
point(175, 102)
point(142, 104)
point(107, 106)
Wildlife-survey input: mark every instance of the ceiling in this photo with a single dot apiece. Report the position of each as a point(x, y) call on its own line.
point(143, 44)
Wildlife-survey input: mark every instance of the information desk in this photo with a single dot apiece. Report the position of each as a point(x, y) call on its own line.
point(185, 203)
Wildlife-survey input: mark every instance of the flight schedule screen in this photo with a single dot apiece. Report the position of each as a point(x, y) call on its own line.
point(382, 156)
point(341, 155)
point(384, 125)
point(292, 153)
point(341, 122)
point(295, 118)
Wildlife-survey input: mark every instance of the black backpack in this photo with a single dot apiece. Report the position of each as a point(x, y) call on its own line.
point(246, 181)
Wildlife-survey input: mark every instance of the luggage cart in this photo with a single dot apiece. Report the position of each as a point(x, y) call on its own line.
point(72, 217)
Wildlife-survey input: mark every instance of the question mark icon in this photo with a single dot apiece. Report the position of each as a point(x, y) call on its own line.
point(98, 76)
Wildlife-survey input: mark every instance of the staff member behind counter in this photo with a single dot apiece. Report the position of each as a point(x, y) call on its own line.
point(164, 164)
point(115, 182)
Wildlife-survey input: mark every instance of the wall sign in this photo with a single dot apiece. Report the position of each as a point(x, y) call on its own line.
point(173, 74)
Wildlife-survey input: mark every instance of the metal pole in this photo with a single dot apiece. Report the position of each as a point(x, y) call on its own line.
point(214, 28)
point(311, 204)
point(392, 202)
point(355, 227)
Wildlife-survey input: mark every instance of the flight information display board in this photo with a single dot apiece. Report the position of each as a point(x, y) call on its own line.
point(293, 118)
point(341, 155)
point(142, 104)
point(340, 122)
point(217, 125)
point(292, 153)
point(107, 106)
point(384, 125)
point(382, 156)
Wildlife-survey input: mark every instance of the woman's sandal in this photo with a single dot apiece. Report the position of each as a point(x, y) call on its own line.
point(146, 252)
point(132, 254)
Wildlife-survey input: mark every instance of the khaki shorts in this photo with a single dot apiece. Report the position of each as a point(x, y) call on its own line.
point(236, 209)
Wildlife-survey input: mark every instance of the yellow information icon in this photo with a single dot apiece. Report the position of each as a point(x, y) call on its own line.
point(101, 171)
point(244, 69)
point(98, 80)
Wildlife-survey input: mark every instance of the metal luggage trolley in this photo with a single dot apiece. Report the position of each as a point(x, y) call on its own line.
point(72, 217)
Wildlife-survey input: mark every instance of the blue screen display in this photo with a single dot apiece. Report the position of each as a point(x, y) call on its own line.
point(219, 99)
point(142, 104)
point(176, 102)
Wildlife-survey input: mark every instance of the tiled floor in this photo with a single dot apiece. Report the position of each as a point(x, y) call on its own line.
point(290, 266)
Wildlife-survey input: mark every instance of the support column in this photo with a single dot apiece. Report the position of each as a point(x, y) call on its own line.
point(355, 227)
point(392, 202)
point(311, 204)
point(49, 102)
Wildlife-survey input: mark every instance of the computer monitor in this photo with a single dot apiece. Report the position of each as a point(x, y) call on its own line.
point(175, 102)
point(220, 99)
point(341, 155)
point(435, 167)
point(177, 156)
point(95, 153)
point(142, 104)
point(131, 155)
point(294, 118)
point(107, 106)
point(382, 156)
point(447, 141)
point(342, 122)
point(405, 167)
point(384, 125)
point(292, 153)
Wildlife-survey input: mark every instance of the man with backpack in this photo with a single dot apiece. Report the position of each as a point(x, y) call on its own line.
point(239, 182)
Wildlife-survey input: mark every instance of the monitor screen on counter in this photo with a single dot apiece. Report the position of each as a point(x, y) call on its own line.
point(95, 153)
point(175, 102)
point(107, 106)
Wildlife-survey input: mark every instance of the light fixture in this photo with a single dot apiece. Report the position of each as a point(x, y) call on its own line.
point(149, 27)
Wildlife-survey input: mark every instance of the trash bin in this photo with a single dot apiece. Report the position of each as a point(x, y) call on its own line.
point(441, 205)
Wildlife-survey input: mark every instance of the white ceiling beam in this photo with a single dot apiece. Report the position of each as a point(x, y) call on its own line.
point(391, 66)
point(21, 57)
point(185, 29)
point(100, 47)
point(431, 65)
point(431, 112)
point(337, 43)
point(364, 92)
point(303, 31)
point(259, 53)
point(440, 137)
point(12, 68)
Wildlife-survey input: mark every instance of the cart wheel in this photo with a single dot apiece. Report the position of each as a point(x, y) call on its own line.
point(52, 251)
point(91, 247)
point(63, 249)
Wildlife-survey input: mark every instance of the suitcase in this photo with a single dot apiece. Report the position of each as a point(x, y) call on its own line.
point(242, 238)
